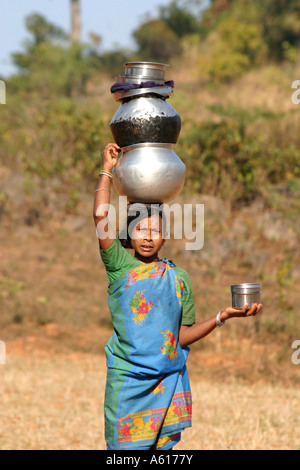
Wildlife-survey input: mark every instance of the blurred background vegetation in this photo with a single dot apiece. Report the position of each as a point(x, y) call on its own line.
point(233, 65)
point(52, 125)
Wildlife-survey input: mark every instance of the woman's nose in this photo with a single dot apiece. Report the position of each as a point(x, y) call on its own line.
point(148, 235)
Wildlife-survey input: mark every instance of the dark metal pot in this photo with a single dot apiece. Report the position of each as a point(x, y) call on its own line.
point(145, 119)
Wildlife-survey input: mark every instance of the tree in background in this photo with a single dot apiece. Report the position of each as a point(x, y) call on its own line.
point(42, 32)
point(75, 22)
point(160, 38)
point(281, 25)
point(228, 38)
point(178, 18)
point(156, 41)
point(239, 46)
point(49, 128)
point(242, 34)
point(49, 65)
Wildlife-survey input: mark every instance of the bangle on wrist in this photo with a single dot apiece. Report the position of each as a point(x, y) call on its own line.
point(103, 189)
point(218, 320)
point(107, 173)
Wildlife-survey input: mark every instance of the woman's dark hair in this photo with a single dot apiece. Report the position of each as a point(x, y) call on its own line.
point(137, 211)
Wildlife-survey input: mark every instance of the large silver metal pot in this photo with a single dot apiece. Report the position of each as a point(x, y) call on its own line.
point(145, 119)
point(149, 172)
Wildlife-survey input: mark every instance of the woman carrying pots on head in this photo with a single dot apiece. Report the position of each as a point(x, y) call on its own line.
point(148, 399)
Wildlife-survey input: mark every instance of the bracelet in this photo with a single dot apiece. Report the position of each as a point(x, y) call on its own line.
point(103, 189)
point(107, 173)
point(218, 320)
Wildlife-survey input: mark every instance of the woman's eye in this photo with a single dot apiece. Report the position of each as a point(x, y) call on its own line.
point(154, 233)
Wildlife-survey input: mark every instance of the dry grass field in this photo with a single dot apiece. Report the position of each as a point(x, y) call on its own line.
point(52, 398)
point(54, 321)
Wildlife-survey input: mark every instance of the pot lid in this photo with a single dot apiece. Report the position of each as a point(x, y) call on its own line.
point(245, 288)
point(149, 70)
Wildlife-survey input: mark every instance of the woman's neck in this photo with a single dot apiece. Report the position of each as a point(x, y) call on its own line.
point(146, 260)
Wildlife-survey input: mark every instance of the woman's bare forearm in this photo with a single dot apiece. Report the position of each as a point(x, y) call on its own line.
point(105, 232)
point(102, 198)
point(191, 334)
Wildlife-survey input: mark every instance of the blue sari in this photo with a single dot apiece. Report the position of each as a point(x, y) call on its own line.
point(148, 398)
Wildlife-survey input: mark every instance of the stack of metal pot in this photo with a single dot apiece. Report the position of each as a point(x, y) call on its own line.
point(146, 127)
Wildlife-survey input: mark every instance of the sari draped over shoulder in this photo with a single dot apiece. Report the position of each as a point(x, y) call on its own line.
point(148, 398)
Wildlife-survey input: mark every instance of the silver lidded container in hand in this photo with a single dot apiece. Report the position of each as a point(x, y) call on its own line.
point(247, 293)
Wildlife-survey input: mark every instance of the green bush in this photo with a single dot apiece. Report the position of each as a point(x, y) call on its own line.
point(60, 138)
point(238, 48)
point(156, 41)
point(223, 159)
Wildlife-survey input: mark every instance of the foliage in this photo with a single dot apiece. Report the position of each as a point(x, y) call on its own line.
point(51, 71)
point(60, 138)
point(233, 35)
point(109, 61)
point(156, 41)
point(51, 128)
point(160, 38)
point(238, 48)
point(179, 19)
point(43, 31)
point(281, 25)
point(225, 161)
point(49, 66)
point(241, 34)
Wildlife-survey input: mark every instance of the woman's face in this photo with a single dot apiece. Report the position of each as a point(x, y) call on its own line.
point(147, 238)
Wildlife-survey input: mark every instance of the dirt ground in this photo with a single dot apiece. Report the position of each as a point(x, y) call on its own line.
point(52, 395)
point(54, 322)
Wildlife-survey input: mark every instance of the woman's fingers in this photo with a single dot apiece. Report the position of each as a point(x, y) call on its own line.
point(245, 311)
point(111, 150)
point(255, 309)
point(114, 149)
